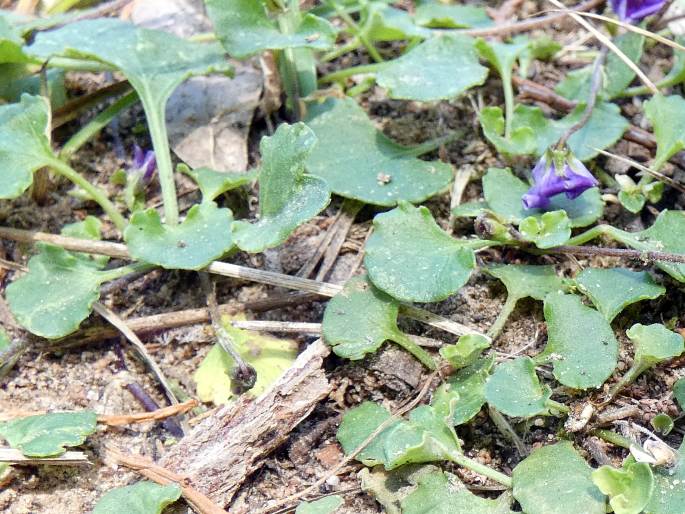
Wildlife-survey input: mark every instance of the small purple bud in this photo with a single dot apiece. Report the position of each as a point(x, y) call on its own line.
point(143, 162)
point(557, 171)
point(635, 10)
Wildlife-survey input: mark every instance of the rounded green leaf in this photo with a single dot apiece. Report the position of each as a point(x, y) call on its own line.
point(361, 163)
point(437, 14)
point(521, 142)
point(523, 280)
point(515, 390)
point(667, 234)
point(26, 126)
point(245, 27)
point(612, 289)
point(441, 68)
point(581, 345)
point(382, 22)
point(288, 196)
point(412, 259)
point(214, 183)
point(141, 498)
point(469, 384)
point(466, 351)
point(556, 479)
point(360, 318)
point(662, 423)
point(57, 293)
point(679, 392)
point(47, 435)
point(628, 489)
point(547, 231)
point(655, 343)
point(439, 493)
point(204, 236)
point(667, 116)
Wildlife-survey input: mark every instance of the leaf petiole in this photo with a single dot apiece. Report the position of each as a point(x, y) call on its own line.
point(473, 465)
point(97, 194)
point(422, 355)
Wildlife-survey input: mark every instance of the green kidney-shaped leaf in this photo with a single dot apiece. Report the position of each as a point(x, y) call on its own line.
point(412, 259)
point(603, 129)
point(325, 505)
point(612, 289)
point(287, 195)
point(141, 498)
point(667, 116)
point(655, 343)
point(523, 280)
point(466, 351)
point(581, 344)
point(437, 14)
point(469, 386)
point(629, 488)
point(204, 236)
point(361, 163)
point(382, 22)
point(556, 479)
point(522, 140)
point(47, 435)
point(515, 390)
point(440, 493)
point(245, 27)
point(57, 293)
point(548, 230)
point(425, 437)
point(662, 423)
point(503, 192)
point(360, 318)
point(24, 125)
point(441, 68)
point(214, 183)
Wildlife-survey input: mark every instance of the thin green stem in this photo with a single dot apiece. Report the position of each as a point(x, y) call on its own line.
point(350, 46)
point(644, 90)
point(95, 125)
point(349, 72)
point(492, 474)
point(613, 438)
point(502, 318)
point(68, 64)
point(628, 378)
point(422, 355)
point(508, 88)
point(97, 194)
point(551, 404)
point(588, 235)
point(356, 31)
point(122, 271)
point(160, 142)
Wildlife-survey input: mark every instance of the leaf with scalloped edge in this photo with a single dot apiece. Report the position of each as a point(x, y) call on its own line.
point(443, 493)
point(667, 116)
point(214, 183)
point(612, 289)
point(556, 479)
point(515, 390)
point(360, 318)
point(47, 435)
point(548, 230)
point(441, 68)
point(204, 236)
point(412, 259)
point(469, 385)
point(141, 498)
point(288, 196)
point(628, 488)
point(24, 125)
point(466, 350)
point(360, 162)
point(245, 27)
point(581, 346)
point(57, 293)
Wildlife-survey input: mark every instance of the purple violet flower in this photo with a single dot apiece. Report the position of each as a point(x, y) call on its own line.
point(557, 171)
point(634, 10)
point(144, 162)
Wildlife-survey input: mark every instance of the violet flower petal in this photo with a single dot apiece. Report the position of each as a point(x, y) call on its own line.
point(635, 10)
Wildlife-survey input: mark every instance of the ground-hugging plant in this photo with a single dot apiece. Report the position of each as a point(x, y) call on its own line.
point(338, 149)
